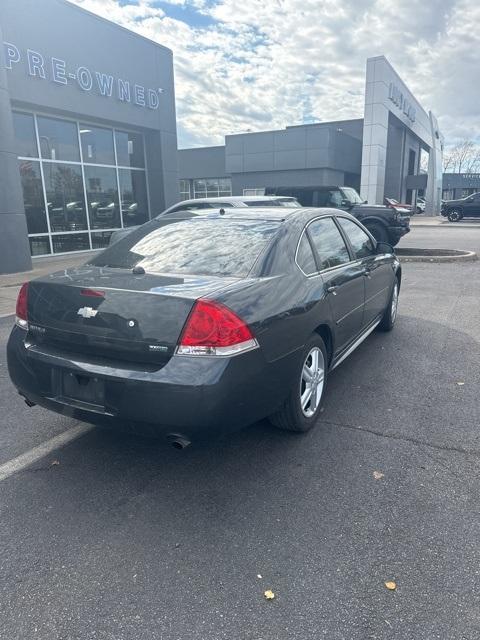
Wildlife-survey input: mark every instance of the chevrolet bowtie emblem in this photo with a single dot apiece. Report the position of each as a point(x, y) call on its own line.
point(87, 312)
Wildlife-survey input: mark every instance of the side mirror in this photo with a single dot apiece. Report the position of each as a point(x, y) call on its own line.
point(346, 204)
point(383, 247)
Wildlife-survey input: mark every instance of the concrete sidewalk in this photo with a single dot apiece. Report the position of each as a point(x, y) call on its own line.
point(440, 221)
point(10, 283)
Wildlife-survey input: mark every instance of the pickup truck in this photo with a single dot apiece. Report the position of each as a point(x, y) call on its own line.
point(384, 223)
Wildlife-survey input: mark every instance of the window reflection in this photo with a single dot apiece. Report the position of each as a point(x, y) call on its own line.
point(101, 239)
point(193, 246)
point(33, 196)
point(39, 245)
point(328, 242)
point(102, 198)
point(97, 144)
point(70, 242)
point(25, 140)
point(133, 194)
point(361, 243)
point(212, 187)
point(129, 149)
point(65, 197)
point(58, 139)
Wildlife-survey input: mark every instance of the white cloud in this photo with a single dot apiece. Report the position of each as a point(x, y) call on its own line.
point(263, 64)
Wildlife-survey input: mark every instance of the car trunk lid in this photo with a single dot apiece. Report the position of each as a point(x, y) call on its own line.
point(97, 312)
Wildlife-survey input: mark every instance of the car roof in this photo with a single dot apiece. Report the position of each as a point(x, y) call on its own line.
point(234, 199)
point(266, 213)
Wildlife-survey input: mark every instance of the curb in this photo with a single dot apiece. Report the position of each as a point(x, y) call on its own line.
point(435, 255)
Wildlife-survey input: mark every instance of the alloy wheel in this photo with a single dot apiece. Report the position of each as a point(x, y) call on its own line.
point(312, 381)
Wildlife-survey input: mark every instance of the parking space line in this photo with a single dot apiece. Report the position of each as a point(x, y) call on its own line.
point(26, 459)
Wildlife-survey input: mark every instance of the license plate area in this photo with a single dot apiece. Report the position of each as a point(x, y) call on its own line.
point(82, 388)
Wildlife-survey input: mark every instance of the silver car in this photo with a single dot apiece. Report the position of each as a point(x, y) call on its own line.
point(214, 203)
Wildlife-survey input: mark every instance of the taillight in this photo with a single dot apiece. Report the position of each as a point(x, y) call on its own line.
point(21, 318)
point(214, 330)
point(92, 293)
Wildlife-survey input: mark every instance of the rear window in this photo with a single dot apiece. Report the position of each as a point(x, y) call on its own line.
point(196, 246)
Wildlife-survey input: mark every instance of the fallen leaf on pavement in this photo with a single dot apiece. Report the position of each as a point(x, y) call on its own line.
point(55, 463)
point(391, 586)
point(269, 595)
point(377, 475)
point(259, 576)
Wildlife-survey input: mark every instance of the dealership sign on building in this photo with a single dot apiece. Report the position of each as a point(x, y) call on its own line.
point(58, 71)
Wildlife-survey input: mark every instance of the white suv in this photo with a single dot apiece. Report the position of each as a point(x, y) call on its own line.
point(199, 204)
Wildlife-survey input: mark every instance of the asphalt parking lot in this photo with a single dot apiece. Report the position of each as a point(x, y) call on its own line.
point(113, 537)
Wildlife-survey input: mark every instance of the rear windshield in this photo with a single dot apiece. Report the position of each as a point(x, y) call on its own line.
point(196, 246)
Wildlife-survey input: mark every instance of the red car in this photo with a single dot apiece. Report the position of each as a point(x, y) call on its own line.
point(398, 206)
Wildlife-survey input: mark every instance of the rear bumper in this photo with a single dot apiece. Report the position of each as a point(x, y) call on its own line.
point(194, 396)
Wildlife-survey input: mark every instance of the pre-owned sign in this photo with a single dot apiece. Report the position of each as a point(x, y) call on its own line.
point(105, 84)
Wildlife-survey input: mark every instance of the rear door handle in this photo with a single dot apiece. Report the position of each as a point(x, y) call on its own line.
point(332, 289)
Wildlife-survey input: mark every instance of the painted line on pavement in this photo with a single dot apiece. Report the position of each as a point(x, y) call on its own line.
point(26, 459)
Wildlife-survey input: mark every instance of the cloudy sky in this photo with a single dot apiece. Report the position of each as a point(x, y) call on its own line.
point(253, 65)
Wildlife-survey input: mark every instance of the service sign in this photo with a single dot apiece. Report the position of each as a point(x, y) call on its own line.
point(86, 79)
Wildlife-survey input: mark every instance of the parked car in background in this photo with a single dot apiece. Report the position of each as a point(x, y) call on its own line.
point(227, 202)
point(385, 224)
point(420, 205)
point(194, 324)
point(468, 207)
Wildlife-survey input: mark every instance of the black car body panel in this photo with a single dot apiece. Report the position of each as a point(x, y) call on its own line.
point(125, 352)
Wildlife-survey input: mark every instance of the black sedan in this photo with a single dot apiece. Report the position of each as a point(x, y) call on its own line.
point(197, 324)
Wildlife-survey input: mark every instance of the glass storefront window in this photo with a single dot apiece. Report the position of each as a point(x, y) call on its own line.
point(82, 167)
point(199, 189)
point(133, 196)
point(184, 189)
point(39, 245)
point(97, 144)
point(70, 242)
point(212, 187)
point(101, 239)
point(33, 196)
point(58, 139)
point(25, 139)
point(102, 198)
point(65, 197)
point(129, 149)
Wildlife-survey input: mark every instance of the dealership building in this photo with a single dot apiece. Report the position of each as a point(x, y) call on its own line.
point(88, 139)
point(394, 151)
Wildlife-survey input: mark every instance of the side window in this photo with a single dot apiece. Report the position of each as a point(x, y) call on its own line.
point(334, 199)
point(305, 259)
point(362, 244)
point(328, 242)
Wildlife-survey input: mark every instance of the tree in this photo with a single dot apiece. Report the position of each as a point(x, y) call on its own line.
point(464, 157)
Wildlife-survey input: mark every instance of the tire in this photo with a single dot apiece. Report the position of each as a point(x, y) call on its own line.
point(390, 314)
point(378, 231)
point(454, 215)
point(291, 416)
